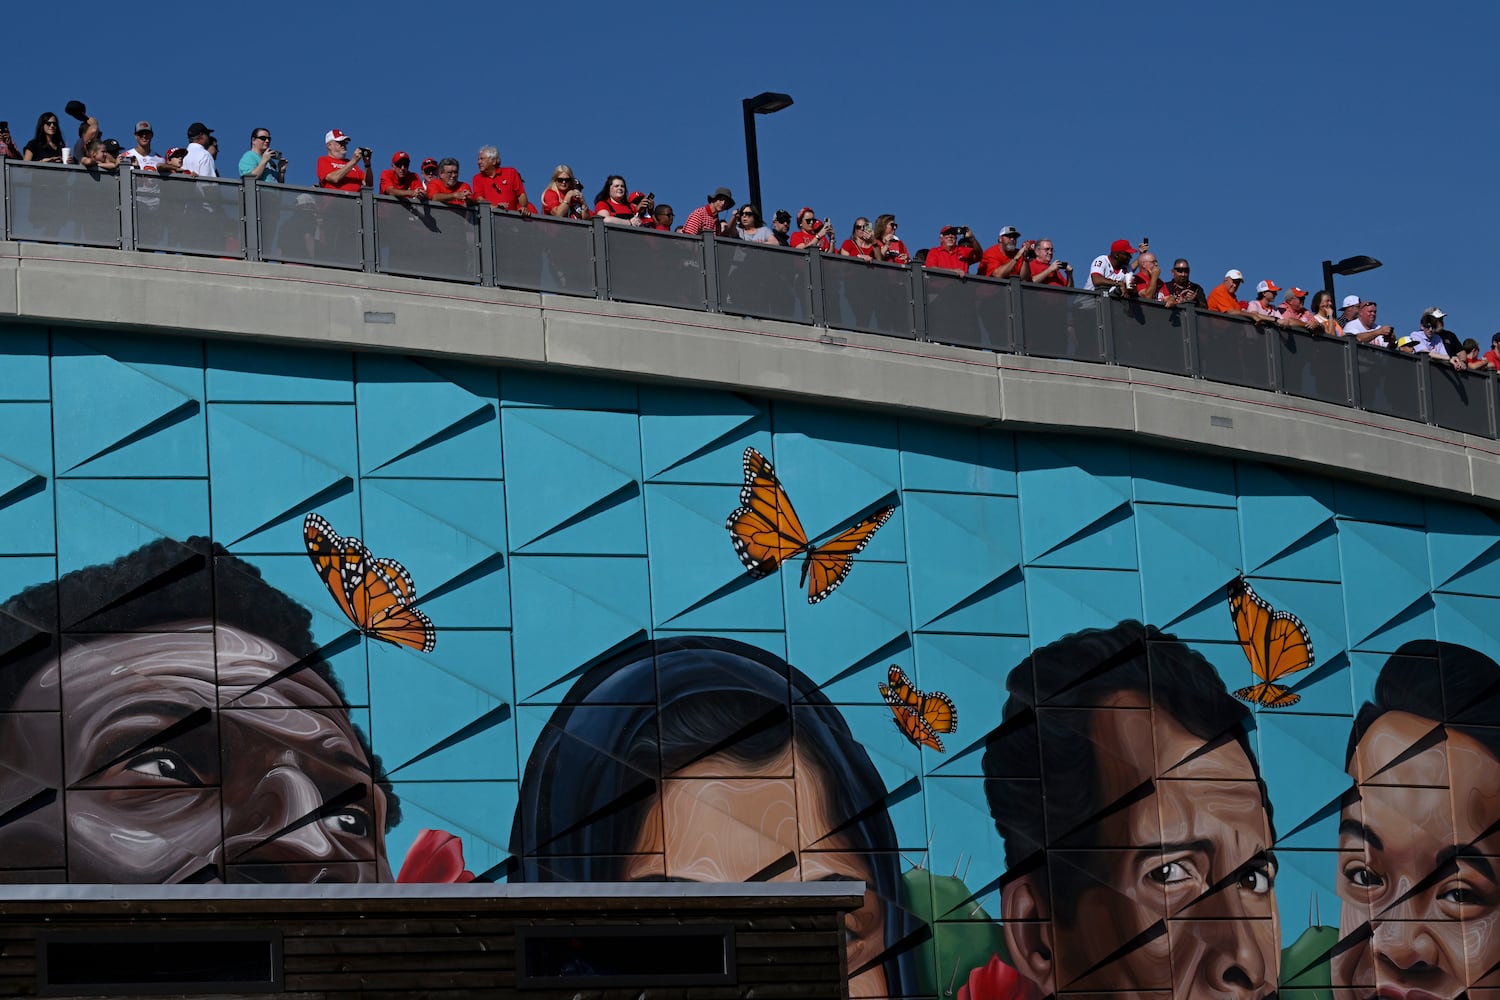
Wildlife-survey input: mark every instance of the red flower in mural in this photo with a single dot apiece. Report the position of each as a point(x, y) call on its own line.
point(435, 856)
point(994, 980)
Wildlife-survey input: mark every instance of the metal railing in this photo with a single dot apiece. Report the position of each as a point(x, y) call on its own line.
point(243, 220)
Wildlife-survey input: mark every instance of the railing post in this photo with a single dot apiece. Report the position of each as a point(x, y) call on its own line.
point(1190, 346)
point(250, 209)
point(918, 286)
point(711, 271)
point(367, 229)
point(815, 281)
point(1017, 320)
point(1489, 401)
point(127, 208)
point(486, 244)
point(1106, 345)
point(1424, 390)
point(4, 199)
point(1351, 373)
point(601, 261)
point(1273, 361)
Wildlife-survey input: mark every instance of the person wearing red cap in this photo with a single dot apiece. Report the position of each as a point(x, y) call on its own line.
point(447, 188)
point(957, 249)
point(399, 181)
point(1295, 315)
point(706, 218)
point(338, 170)
point(1109, 271)
point(500, 186)
point(429, 170)
point(811, 232)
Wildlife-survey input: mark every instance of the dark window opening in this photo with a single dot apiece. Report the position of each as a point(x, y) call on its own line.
point(161, 962)
point(626, 956)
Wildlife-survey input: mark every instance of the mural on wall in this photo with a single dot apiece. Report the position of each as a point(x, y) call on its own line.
point(1206, 704)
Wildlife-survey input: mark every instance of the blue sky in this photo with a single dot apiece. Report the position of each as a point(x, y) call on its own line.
point(1265, 138)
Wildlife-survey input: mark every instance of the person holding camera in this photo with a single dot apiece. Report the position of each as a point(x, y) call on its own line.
point(811, 232)
point(1003, 260)
point(260, 161)
point(199, 161)
point(562, 198)
point(1044, 270)
point(338, 170)
point(957, 249)
point(1109, 272)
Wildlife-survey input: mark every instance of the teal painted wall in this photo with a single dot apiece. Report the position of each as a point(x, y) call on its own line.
point(554, 527)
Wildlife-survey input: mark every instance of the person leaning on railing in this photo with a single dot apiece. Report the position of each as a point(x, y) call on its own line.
point(957, 250)
point(861, 241)
point(562, 198)
point(706, 218)
point(447, 188)
point(749, 226)
point(1045, 269)
point(1323, 314)
point(501, 186)
point(1182, 289)
point(400, 181)
point(811, 232)
point(96, 158)
point(887, 247)
point(614, 206)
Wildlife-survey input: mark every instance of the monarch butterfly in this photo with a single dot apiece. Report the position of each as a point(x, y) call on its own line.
point(920, 717)
point(1275, 642)
point(766, 532)
point(376, 594)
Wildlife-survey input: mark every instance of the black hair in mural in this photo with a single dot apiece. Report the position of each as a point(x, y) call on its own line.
point(1441, 681)
point(160, 584)
point(1081, 670)
point(655, 708)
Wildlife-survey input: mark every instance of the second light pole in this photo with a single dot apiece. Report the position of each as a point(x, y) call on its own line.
point(761, 104)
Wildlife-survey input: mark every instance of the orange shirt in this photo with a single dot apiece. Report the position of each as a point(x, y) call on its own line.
point(1222, 300)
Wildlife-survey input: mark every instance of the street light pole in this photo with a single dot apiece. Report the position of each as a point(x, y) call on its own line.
point(1349, 265)
point(761, 104)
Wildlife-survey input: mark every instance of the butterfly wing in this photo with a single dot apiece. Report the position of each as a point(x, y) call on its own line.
point(336, 561)
point(1275, 642)
point(400, 579)
point(915, 729)
point(900, 694)
point(765, 529)
point(828, 564)
point(1268, 695)
point(939, 712)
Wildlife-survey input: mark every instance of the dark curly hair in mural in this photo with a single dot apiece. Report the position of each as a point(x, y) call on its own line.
point(1441, 681)
point(645, 714)
point(1083, 670)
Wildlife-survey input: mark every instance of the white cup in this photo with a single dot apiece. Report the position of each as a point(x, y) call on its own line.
point(67, 155)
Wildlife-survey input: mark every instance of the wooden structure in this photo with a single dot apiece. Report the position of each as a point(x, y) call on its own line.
point(537, 942)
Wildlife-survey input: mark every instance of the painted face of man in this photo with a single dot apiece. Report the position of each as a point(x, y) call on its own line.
point(188, 756)
point(1418, 855)
point(1180, 895)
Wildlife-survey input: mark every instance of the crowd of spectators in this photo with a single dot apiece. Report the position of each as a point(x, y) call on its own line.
point(1125, 270)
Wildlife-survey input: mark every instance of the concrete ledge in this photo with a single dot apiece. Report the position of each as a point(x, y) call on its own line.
point(193, 296)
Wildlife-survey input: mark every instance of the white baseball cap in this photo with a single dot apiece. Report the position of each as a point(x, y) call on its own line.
point(1236, 275)
point(1350, 300)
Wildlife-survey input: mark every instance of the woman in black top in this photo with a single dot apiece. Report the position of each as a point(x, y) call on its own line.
point(47, 144)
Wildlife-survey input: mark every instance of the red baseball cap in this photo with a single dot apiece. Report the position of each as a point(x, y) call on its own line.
point(398, 156)
point(1301, 293)
point(1121, 246)
point(633, 197)
point(429, 162)
point(806, 210)
point(336, 135)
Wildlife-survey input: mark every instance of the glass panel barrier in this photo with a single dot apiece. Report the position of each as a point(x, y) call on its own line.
point(1149, 336)
point(1314, 366)
point(863, 295)
point(543, 254)
point(196, 215)
point(52, 203)
point(426, 240)
point(1461, 400)
point(1390, 382)
point(1233, 350)
point(310, 226)
point(1061, 322)
point(765, 280)
point(647, 265)
point(968, 312)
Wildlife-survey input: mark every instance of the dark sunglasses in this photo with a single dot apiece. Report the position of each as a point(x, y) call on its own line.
point(264, 137)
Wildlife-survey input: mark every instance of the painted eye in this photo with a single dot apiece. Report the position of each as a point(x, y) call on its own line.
point(1364, 877)
point(1258, 880)
point(349, 823)
point(1171, 873)
point(163, 765)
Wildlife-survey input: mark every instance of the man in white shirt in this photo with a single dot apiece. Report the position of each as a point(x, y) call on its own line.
point(1108, 272)
point(1363, 328)
point(1428, 337)
point(198, 159)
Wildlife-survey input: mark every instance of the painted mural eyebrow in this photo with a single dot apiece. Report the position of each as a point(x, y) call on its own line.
point(1354, 828)
point(1168, 848)
point(1467, 853)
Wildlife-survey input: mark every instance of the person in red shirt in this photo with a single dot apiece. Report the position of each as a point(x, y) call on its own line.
point(861, 242)
point(447, 188)
point(1147, 275)
point(399, 181)
point(562, 198)
point(706, 219)
point(662, 218)
point(429, 170)
point(957, 250)
point(337, 170)
point(1003, 260)
point(500, 186)
point(1492, 356)
point(887, 247)
point(811, 232)
point(613, 205)
point(1043, 270)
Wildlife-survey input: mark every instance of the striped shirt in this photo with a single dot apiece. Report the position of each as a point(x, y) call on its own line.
point(703, 219)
